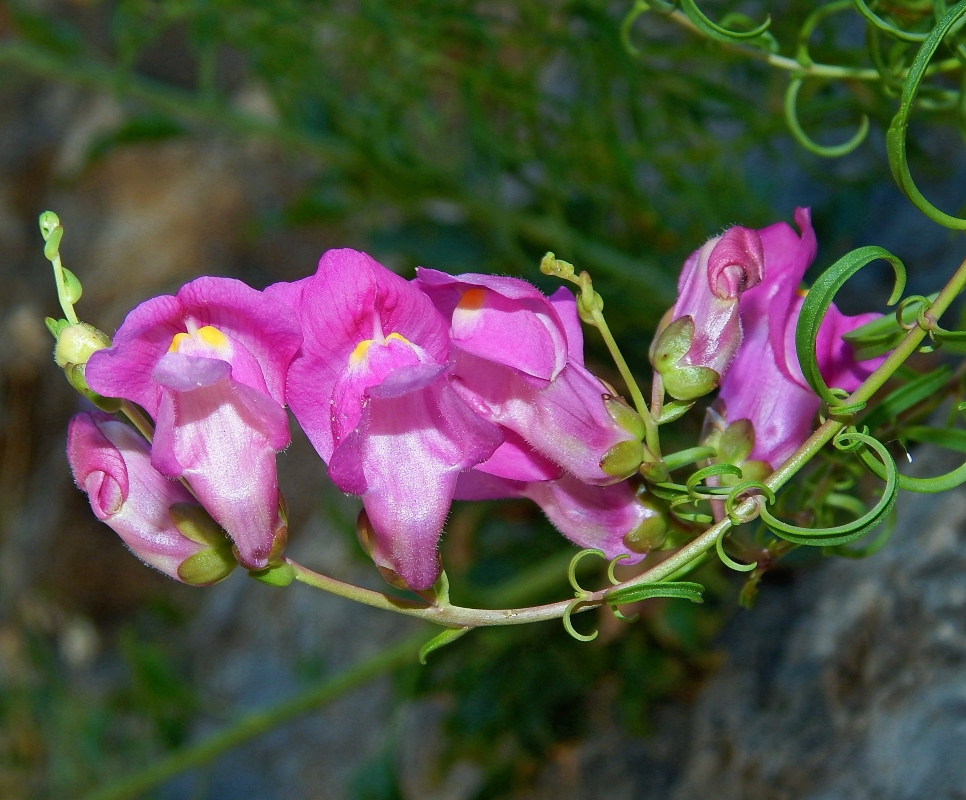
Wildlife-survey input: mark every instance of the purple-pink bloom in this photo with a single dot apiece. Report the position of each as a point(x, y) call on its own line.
point(112, 464)
point(209, 366)
point(702, 331)
point(609, 518)
point(519, 364)
point(765, 383)
point(370, 387)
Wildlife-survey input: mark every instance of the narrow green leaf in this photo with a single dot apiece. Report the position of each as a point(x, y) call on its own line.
point(448, 636)
point(645, 591)
point(674, 410)
point(843, 534)
point(826, 151)
point(896, 135)
point(715, 31)
point(905, 397)
point(940, 483)
point(820, 297)
point(950, 438)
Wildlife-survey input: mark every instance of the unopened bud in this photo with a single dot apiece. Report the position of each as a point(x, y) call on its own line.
point(77, 343)
point(551, 265)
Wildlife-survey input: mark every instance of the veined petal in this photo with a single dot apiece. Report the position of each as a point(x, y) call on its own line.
point(518, 461)
point(404, 459)
point(592, 516)
point(566, 421)
point(565, 304)
point(504, 320)
point(223, 446)
point(353, 300)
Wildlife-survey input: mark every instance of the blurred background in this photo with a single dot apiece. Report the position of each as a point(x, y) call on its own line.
point(243, 138)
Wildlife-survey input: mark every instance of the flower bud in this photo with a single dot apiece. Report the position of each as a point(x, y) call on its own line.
point(699, 336)
point(157, 518)
point(76, 343)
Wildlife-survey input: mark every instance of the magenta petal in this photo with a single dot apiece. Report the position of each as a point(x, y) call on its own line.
point(565, 304)
point(592, 516)
point(516, 460)
point(504, 320)
point(350, 300)
point(112, 463)
point(404, 459)
point(566, 421)
point(184, 373)
point(223, 447)
point(259, 322)
point(126, 368)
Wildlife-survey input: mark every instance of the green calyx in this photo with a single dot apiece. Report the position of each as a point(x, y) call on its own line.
point(623, 459)
point(647, 536)
point(625, 416)
point(216, 561)
point(682, 381)
point(78, 342)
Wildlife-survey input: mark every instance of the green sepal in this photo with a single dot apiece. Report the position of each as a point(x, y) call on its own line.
point(71, 284)
point(77, 343)
point(672, 343)
point(274, 574)
point(818, 300)
point(207, 567)
point(647, 536)
point(674, 410)
point(194, 522)
point(623, 459)
point(690, 383)
point(646, 591)
point(76, 378)
point(625, 416)
point(55, 326)
point(448, 636)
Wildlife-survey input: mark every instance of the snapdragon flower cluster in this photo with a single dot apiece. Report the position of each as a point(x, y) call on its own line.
point(416, 393)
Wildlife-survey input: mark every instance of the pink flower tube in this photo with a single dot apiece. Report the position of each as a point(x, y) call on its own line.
point(519, 364)
point(765, 384)
point(610, 518)
point(699, 336)
point(370, 387)
point(209, 366)
point(112, 464)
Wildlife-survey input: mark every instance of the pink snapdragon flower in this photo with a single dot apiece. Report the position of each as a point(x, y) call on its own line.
point(112, 464)
point(765, 384)
point(699, 336)
point(519, 364)
point(370, 387)
point(209, 366)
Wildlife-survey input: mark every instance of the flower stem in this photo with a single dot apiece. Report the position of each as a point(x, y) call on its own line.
point(812, 70)
point(260, 722)
point(651, 437)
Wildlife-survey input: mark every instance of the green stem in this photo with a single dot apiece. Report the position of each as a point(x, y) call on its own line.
point(651, 437)
point(260, 722)
point(812, 70)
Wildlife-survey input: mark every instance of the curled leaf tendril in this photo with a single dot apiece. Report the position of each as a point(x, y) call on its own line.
point(896, 135)
point(569, 626)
